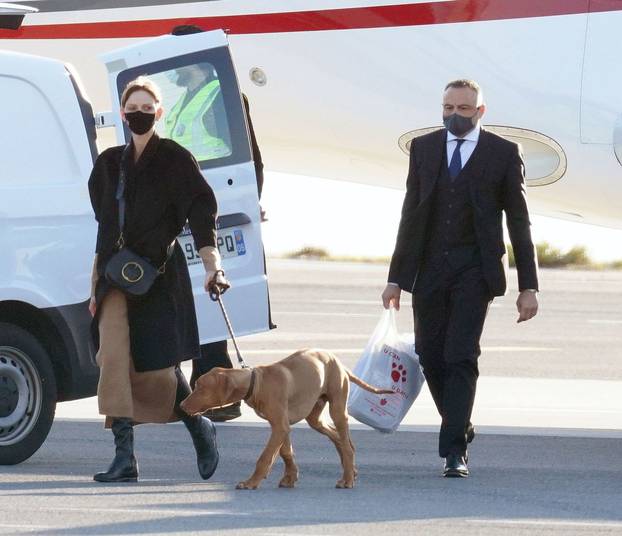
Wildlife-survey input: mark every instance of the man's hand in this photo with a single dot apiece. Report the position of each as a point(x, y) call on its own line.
point(215, 281)
point(391, 296)
point(527, 305)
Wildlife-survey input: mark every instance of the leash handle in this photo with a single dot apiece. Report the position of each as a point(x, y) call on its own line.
point(215, 295)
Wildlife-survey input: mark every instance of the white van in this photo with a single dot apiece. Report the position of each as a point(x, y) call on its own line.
point(47, 229)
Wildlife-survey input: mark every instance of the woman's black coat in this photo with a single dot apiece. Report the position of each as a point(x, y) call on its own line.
point(163, 190)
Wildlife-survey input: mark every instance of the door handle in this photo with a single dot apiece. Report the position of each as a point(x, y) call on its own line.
point(232, 220)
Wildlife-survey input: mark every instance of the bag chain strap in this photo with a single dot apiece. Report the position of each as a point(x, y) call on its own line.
point(120, 196)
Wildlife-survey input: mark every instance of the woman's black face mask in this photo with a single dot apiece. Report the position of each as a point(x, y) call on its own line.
point(140, 122)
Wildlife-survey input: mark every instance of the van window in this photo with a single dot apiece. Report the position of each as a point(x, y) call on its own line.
point(195, 110)
point(35, 147)
point(202, 106)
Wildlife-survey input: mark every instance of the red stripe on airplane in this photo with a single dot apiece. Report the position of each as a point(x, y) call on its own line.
point(421, 14)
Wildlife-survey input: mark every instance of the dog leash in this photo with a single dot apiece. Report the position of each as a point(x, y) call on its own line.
point(215, 293)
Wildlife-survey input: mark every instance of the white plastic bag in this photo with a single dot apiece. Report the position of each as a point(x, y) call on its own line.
point(389, 360)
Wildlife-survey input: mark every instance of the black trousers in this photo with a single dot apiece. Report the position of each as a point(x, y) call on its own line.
point(450, 307)
point(213, 354)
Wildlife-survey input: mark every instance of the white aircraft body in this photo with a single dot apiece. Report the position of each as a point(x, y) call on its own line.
point(339, 87)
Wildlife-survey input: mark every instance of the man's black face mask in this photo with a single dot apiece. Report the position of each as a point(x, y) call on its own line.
point(458, 124)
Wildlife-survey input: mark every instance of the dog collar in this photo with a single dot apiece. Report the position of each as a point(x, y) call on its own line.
point(251, 385)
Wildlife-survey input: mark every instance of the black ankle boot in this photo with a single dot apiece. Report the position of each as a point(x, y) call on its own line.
point(202, 431)
point(124, 467)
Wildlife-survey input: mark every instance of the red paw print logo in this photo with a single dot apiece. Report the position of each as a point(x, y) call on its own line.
point(383, 402)
point(398, 372)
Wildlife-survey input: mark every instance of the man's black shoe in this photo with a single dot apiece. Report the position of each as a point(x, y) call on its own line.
point(455, 467)
point(225, 413)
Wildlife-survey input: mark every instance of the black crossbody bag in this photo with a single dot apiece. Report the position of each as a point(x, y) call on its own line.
point(126, 270)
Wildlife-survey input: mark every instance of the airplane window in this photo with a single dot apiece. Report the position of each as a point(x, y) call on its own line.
point(545, 160)
point(202, 105)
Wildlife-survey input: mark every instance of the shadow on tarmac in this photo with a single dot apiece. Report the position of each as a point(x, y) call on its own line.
point(513, 477)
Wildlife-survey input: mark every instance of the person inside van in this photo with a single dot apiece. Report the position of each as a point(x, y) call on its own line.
point(198, 120)
point(216, 354)
point(142, 195)
point(202, 104)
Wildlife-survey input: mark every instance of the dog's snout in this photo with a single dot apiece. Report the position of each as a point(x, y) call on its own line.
point(189, 405)
point(186, 405)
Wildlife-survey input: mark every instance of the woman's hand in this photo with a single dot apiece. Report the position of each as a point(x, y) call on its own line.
point(215, 282)
point(92, 306)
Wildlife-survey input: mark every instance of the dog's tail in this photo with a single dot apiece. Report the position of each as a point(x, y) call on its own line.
point(367, 387)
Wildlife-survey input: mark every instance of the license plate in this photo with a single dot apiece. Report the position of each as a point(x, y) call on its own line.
point(230, 243)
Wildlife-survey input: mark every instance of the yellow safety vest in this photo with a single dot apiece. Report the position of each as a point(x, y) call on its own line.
point(185, 126)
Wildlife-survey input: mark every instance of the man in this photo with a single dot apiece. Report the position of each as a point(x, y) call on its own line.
point(203, 102)
point(449, 253)
point(198, 121)
point(216, 354)
point(202, 107)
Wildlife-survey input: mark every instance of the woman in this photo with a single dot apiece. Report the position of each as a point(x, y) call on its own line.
point(141, 340)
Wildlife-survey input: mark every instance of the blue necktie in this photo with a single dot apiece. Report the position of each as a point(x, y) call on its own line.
point(455, 166)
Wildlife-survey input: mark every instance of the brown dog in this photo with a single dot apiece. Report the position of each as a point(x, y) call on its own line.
point(284, 393)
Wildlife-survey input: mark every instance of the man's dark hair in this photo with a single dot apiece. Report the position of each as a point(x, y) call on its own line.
point(186, 29)
point(189, 29)
point(471, 84)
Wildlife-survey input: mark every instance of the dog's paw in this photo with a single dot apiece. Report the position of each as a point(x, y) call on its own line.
point(345, 484)
point(288, 481)
point(247, 484)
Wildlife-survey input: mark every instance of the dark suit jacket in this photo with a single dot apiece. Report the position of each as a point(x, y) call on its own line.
point(496, 185)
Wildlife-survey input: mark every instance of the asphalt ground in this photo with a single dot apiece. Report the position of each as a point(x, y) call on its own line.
point(520, 485)
point(576, 335)
point(545, 460)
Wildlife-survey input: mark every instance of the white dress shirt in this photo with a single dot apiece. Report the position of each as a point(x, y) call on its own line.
point(467, 148)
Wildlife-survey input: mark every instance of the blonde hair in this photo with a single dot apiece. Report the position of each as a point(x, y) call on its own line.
point(141, 83)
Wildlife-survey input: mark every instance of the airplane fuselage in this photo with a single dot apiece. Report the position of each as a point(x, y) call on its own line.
point(336, 86)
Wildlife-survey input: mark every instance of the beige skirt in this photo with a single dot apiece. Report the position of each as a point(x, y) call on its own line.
point(143, 397)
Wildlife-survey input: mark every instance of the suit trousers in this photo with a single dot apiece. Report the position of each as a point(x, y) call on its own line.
point(450, 307)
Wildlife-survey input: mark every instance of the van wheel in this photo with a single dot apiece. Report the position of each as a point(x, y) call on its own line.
point(27, 394)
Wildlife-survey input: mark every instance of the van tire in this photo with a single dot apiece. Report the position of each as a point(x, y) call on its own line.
point(27, 394)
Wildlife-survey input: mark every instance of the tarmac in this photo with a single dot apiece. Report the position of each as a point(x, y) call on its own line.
point(548, 416)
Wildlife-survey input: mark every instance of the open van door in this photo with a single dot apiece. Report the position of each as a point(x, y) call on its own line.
point(204, 112)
